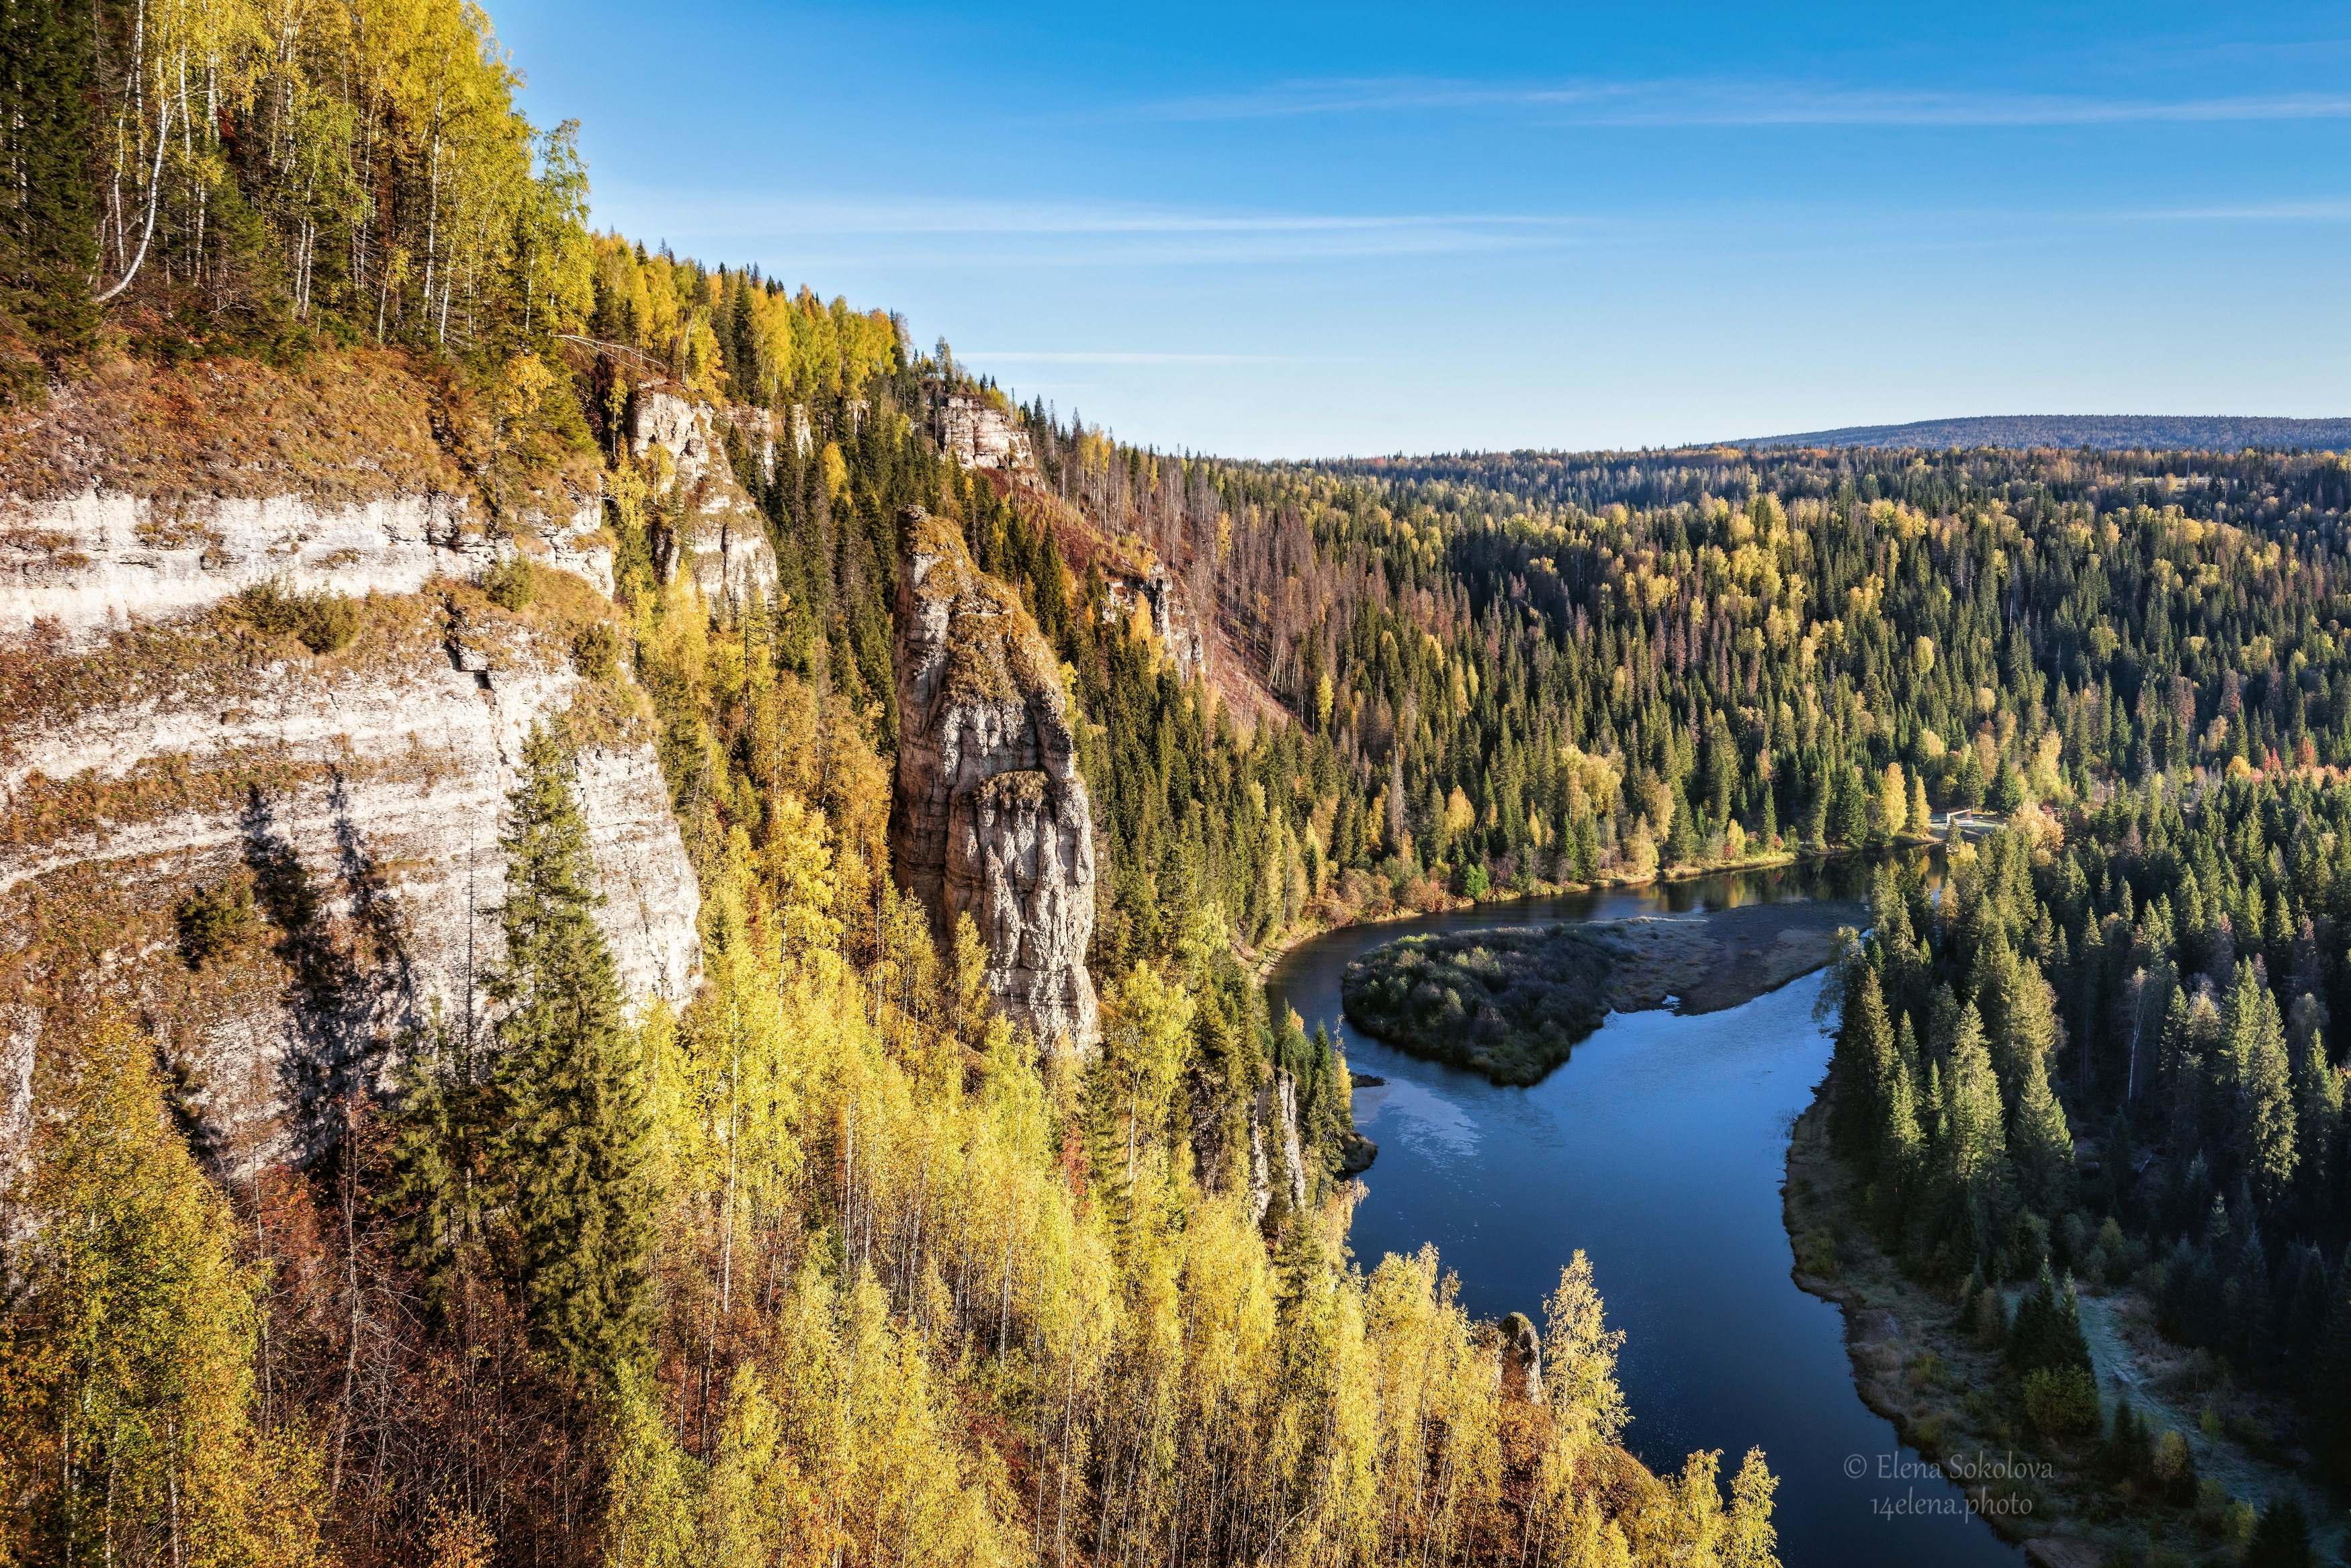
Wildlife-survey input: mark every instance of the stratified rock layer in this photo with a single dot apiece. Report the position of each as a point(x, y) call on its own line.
point(991, 817)
point(152, 751)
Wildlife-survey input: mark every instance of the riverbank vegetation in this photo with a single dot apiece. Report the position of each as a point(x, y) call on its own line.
point(2123, 1087)
point(1507, 1003)
point(1511, 1002)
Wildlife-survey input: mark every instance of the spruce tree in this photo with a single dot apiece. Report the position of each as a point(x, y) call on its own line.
point(2042, 1145)
point(1977, 1145)
point(2047, 1332)
point(439, 1183)
point(2281, 1539)
point(2333, 1381)
point(1889, 914)
point(573, 1146)
point(2257, 1061)
point(1901, 1149)
point(1863, 1064)
point(1973, 1158)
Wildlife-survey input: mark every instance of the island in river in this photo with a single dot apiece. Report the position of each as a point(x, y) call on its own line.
point(1511, 1002)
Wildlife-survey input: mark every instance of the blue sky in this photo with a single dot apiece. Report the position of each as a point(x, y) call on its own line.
point(1265, 231)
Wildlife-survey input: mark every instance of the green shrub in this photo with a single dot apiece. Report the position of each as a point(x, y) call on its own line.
point(1477, 884)
point(2174, 1466)
point(511, 585)
point(213, 920)
point(1991, 1317)
point(324, 622)
point(597, 653)
point(2060, 1401)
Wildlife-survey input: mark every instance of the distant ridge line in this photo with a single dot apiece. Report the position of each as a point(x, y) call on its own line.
point(2107, 432)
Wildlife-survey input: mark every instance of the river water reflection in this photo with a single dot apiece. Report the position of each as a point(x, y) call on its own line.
point(1660, 1148)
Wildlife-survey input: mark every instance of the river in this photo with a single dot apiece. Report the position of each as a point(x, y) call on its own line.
point(1658, 1149)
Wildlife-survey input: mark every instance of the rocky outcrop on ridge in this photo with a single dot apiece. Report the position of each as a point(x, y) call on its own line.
point(990, 816)
point(97, 562)
point(723, 539)
point(978, 434)
point(1161, 597)
point(1274, 1114)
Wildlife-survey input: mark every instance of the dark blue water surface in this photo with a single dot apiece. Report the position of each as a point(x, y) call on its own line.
point(1659, 1149)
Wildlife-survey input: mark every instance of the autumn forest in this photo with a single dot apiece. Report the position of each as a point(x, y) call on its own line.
point(825, 1260)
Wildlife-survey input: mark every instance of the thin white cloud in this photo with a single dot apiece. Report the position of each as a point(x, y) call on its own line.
point(1087, 233)
point(963, 216)
point(2253, 212)
point(1706, 101)
point(1118, 357)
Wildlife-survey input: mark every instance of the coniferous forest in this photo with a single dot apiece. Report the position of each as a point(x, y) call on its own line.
point(827, 1263)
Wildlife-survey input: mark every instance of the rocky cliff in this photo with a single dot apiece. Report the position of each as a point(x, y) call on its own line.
point(721, 539)
point(977, 434)
point(990, 816)
point(167, 750)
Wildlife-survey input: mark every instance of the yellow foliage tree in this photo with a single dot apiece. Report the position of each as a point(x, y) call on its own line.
point(125, 1434)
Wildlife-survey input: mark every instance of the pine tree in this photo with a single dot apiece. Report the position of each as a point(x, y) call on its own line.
point(574, 1141)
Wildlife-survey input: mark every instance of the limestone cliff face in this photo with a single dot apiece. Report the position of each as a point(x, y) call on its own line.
point(1160, 596)
point(724, 541)
point(978, 434)
point(1274, 1115)
point(154, 746)
point(97, 562)
point(991, 817)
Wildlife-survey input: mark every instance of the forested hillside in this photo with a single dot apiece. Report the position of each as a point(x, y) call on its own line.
point(1512, 669)
point(1520, 668)
point(821, 1264)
